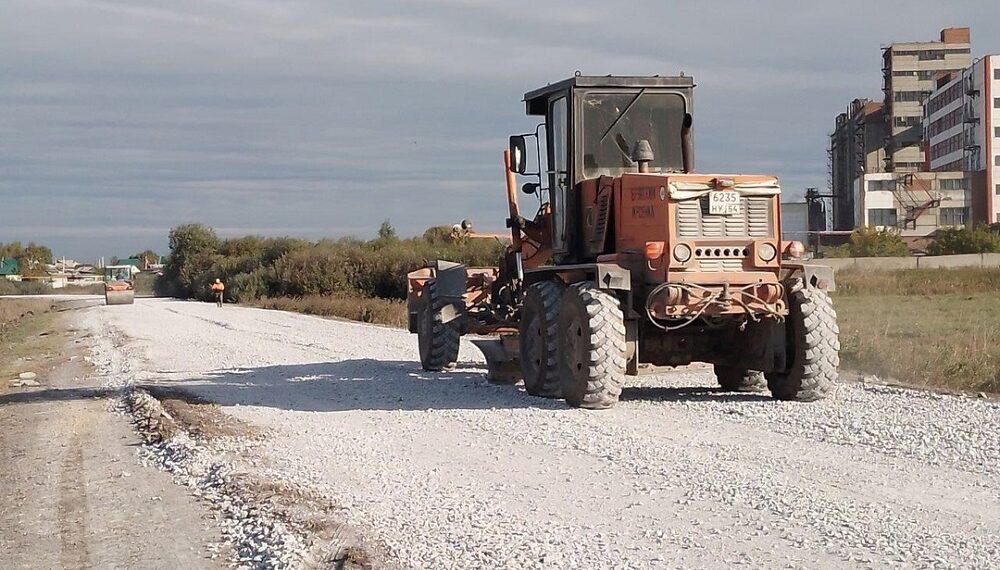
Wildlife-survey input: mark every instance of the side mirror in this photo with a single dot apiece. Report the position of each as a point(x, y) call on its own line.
point(518, 155)
point(530, 187)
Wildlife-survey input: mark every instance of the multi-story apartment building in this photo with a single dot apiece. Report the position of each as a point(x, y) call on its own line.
point(910, 71)
point(962, 132)
point(856, 148)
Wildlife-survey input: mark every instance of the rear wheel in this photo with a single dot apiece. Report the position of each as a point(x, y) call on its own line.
point(735, 379)
point(813, 347)
point(592, 349)
point(537, 332)
point(438, 341)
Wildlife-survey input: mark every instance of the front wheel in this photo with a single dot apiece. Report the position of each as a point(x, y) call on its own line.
point(592, 348)
point(813, 347)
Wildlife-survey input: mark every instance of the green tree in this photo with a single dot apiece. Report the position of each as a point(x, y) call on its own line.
point(13, 249)
point(386, 236)
point(146, 258)
point(31, 258)
point(386, 232)
point(193, 248)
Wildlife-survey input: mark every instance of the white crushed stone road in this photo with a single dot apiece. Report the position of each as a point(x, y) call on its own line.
point(449, 471)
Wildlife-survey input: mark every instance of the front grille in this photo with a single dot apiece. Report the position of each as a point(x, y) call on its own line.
point(727, 265)
point(694, 221)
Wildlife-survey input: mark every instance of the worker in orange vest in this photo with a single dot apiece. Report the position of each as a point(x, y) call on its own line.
point(218, 288)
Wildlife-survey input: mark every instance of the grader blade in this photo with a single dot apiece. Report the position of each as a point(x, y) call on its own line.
point(503, 364)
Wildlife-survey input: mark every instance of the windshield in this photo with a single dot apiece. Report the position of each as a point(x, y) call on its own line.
point(613, 122)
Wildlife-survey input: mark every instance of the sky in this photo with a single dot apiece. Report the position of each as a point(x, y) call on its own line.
point(121, 119)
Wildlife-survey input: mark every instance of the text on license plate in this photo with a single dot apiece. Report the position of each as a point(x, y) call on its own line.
point(724, 203)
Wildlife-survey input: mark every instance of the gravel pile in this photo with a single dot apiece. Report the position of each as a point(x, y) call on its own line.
point(448, 471)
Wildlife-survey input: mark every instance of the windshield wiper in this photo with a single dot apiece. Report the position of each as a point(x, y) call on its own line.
point(623, 113)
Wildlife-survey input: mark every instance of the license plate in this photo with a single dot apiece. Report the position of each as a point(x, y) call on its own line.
point(724, 203)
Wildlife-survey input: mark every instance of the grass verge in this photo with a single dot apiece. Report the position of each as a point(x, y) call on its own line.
point(25, 339)
point(928, 327)
point(390, 312)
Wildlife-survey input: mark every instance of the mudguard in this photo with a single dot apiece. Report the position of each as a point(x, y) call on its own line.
point(813, 276)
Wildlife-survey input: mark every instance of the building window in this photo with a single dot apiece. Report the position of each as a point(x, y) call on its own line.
point(996, 132)
point(881, 185)
point(997, 190)
point(996, 160)
point(882, 217)
point(907, 121)
point(952, 184)
point(954, 216)
point(996, 102)
point(996, 74)
point(930, 55)
point(911, 95)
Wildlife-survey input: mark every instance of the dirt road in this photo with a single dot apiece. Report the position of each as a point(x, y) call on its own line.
point(72, 491)
point(448, 471)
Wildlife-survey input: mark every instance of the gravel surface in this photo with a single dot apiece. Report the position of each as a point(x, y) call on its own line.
point(448, 471)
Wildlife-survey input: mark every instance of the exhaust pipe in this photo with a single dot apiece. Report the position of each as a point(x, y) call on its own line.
point(687, 144)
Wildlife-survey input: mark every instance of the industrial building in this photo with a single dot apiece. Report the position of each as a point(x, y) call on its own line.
point(857, 147)
point(910, 71)
point(898, 164)
point(962, 132)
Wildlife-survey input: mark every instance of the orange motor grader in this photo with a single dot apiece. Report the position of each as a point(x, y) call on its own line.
point(632, 260)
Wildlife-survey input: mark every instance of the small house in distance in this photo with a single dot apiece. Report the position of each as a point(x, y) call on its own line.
point(9, 269)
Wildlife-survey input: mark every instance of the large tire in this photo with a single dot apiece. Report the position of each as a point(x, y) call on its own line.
point(537, 332)
point(592, 348)
point(813, 347)
point(734, 379)
point(438, 341)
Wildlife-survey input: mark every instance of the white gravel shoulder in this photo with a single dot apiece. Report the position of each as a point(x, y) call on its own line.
point(448, 471)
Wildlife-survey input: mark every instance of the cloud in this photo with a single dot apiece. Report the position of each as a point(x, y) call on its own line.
point(310, 117)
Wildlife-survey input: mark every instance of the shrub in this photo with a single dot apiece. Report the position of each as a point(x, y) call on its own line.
point(980, 239)
point(23, 288)
point(254, 267)
point(868, 241)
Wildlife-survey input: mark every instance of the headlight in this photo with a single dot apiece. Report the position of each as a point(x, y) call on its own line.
point(766, 252)
point(682, 252)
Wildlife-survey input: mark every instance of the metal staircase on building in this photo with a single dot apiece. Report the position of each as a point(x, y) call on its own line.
point(916, 197)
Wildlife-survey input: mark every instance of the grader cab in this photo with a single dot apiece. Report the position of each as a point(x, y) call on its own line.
point(632, 260)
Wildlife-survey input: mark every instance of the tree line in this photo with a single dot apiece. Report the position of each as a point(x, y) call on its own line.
point(255, 267)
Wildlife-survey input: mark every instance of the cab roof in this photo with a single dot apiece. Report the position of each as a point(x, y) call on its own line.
point(537, 100)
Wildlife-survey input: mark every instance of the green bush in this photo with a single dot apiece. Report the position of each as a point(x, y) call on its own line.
point(951, 241)
point(868, 241)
